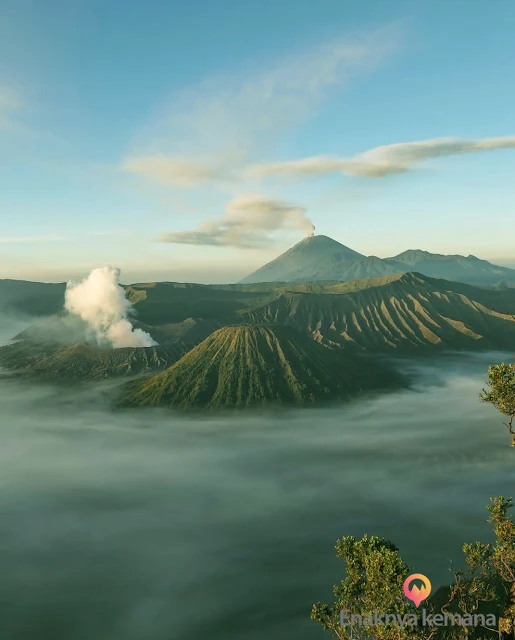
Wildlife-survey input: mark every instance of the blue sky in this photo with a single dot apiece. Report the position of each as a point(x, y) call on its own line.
point(197, 140)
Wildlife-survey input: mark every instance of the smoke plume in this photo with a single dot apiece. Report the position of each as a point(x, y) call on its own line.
point(101, 303)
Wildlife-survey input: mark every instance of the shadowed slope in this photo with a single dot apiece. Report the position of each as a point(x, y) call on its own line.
point(240, 366)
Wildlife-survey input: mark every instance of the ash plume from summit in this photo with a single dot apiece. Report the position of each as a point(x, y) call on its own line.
point(100, 301)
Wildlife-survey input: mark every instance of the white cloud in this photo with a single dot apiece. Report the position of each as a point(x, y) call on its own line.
point(170, 171)
point(9, 99)
point(381, 161)
point(209, 132)
point(248, 222)
point(10, 102)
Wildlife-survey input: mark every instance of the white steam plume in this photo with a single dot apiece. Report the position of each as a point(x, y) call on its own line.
point(101, 303)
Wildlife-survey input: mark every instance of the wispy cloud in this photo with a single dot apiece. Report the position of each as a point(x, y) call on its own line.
point(248, 222)
point(9, 99)
point(209, 132)
point(172, 171)
point(120, 232)
point(30, 239)
point(10, 102)
point(381, 161)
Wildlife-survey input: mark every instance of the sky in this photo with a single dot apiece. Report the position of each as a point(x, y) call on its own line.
point(197, 140)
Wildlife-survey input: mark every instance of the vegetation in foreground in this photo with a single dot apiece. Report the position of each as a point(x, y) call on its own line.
point(501, 393)
point(375, 575)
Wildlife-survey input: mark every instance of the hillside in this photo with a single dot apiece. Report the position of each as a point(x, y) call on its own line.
point(239, 366)
point(54, 348)
point(314, 262)
point(160, 303)
point(31, 298)
point(403, 313)
point(71, 363)
point(407, 313)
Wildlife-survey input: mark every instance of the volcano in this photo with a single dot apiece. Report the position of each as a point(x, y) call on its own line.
point(310, 259)
point(319, 258)
point(244, 365)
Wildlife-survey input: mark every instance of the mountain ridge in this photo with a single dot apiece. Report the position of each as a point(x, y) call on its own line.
point(404, 313)
point(309, 260)
point(407, 313)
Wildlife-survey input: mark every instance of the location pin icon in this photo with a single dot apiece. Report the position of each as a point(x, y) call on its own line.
point(416, 594)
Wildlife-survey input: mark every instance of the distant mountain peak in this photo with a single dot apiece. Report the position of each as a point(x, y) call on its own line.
point(317, 258)
point(306, 260)
point(320, 240)
point(324, 243)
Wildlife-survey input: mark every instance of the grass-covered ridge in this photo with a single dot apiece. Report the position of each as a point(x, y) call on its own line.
point(243, 365)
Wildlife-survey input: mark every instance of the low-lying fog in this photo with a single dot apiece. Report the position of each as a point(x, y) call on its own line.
point(146, 525)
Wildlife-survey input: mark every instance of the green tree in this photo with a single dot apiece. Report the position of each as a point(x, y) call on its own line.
point(501, 559)
point(374, 583)
point(489, 573)
point(501, 393)
point(375, 575)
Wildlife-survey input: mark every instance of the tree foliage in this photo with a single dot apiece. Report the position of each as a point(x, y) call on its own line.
point(375, 574)
point(374, 581)
point(501, 391)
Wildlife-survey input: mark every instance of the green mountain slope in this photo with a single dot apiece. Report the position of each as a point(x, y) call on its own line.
point(408, 313)
point(71, 363)
point(54, 348)
point(404, 313)
point(241, 366)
